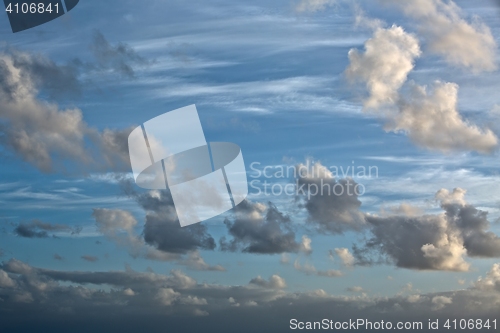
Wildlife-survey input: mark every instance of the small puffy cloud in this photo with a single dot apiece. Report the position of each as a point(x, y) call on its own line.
point(448, 34)
point(274, 282)
point(5, 280)
point(193, 300)
point(346, 256)
point(90, 258)
point(129, 292)
point(491, 282)
point(305, 246)
point(439, 302)
point(355, 289)
point(167, 296)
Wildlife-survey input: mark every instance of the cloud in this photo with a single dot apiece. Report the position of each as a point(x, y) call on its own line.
point(166, 298)
point(58, 257)
point(274, 282)
point(309, 269)
point(90, 258)
point(355, 289)
point(432, 242)
point(491, 283)
point(195, 261)
point(384, 66)
point(163, 238)
point(431, 119)
point(313, 5)
point(429, 116)
point(460, 43)
point(42, 134)
point(5, 280)
point(257, 228)
point(118, 58)
point(39, 229)
point(332, 205)
point(346, 256)
point(440, 302)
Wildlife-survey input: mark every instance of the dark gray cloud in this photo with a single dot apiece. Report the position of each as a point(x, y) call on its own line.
point(90, 258)
point(119, 58)
point(333, 205)
point(257, 228)
point(431, 242)
point(39, 229)
point(34, 299)
point(162, 228)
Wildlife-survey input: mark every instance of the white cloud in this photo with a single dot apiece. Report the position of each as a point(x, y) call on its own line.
point(429, 116)
point(492, 280)
point(167, 296)
point(459, 42)
point(346, 256)
point(384, 66)
point(439, 302)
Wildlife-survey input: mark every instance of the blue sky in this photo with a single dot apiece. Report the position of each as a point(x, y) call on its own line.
point(328, 84)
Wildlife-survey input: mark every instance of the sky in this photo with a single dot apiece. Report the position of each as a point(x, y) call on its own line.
point(394, 103)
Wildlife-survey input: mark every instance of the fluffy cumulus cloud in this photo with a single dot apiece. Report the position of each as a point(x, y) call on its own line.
point(432, 242)
point(428, 115)
point(259, 228)
point(39, 131)
point(430, 118)
point(384, 66)
point(31, 296)
point(274, 282)
point(345, 256)
point(448, 34)
point(491, 282)
point(332, 205)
